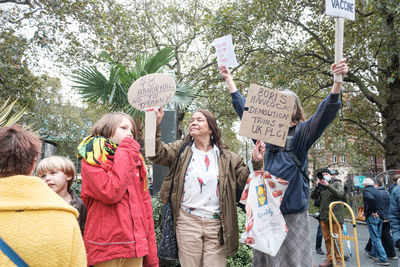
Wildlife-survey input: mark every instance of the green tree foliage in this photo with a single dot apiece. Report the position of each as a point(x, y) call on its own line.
point(16, 79)
point(278, 44)
point(36, 101)
point(291, 44)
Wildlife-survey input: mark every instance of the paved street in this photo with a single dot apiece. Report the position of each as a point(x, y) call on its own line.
point(362, 234)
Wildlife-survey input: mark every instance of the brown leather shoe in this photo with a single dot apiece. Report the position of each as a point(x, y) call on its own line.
point(326, 263)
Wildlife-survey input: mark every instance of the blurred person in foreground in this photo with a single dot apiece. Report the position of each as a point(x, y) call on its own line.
point(394, 216)
point(396, 181)
point(37, 224)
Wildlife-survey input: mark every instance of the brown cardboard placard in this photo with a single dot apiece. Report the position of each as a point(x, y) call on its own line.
point(151, 91)
point(147, 93)
point(267, 115)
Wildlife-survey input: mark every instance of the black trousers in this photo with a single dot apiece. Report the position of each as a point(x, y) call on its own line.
point(318, 240)
point(387, 241)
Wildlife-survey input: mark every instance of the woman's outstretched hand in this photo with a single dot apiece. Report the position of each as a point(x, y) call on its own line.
point(339, 68)
point(159, 115)
point(258, 152)
point(224, 71)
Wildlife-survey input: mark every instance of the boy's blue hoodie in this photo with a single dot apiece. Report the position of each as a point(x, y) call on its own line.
point(281, 164)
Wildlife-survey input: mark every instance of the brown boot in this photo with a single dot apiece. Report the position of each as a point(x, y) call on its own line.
point(326, 263)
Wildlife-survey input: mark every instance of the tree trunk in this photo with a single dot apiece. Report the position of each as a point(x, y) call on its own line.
point(391, 114)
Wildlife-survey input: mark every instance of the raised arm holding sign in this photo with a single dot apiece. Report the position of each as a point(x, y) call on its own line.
point(280, 162)
point(340, 9)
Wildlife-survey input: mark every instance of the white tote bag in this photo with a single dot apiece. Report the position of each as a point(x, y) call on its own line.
point(265, 226)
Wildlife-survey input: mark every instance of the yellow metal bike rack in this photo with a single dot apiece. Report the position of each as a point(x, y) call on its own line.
point(341, 236)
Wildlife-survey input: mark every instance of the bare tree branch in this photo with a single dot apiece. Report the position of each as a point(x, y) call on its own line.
point(378, 100)
point(364, 15)
point(313, 34)
point(25, 15)
point(361, 126)
point(308, 54)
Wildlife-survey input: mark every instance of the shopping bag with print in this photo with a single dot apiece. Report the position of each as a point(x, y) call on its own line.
point(265, 228)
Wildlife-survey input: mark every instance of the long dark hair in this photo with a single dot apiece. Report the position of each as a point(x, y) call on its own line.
point(215, 132)
point(299, 115)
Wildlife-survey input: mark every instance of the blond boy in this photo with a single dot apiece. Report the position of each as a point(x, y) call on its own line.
point(59, 173)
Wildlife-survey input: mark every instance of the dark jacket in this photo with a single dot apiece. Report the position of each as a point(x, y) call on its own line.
point(384, 210)
point(373, 201)
point(77, 203)
point(332, 192)
point(281, 164)
point(394, 214)
point(391, 187)
point(233, 173)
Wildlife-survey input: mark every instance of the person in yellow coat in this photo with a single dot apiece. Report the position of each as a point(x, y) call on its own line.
point(37, 224)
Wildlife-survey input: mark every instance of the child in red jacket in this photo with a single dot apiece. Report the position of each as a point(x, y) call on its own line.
point(119, 228)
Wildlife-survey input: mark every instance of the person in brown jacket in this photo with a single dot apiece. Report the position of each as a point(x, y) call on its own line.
point(205, 178)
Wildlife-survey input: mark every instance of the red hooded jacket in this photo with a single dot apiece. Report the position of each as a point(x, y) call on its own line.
point(119, 213)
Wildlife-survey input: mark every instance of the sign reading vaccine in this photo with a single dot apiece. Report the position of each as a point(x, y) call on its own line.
point(341, 8)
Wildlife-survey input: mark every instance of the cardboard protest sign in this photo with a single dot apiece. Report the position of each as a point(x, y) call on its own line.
point(341, 9)
point(151, 91)
point(267, 115)
point(147, 93)
point(225, 53)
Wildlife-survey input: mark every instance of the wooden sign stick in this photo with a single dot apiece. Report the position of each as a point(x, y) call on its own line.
point(339, 46)
point(150, 132)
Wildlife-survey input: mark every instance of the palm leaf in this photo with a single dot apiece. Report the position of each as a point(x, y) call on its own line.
point(6, 109)
point(91, 84)
point(159, 60)
point(184, 96)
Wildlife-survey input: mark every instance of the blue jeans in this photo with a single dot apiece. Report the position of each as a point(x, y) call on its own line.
point(375, 232)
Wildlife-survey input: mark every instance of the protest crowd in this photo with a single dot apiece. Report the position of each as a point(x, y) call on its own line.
point(44, 222)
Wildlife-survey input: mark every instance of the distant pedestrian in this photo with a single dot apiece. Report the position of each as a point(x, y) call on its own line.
point(383, 212)
point(373, 202)
point(330, 190)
